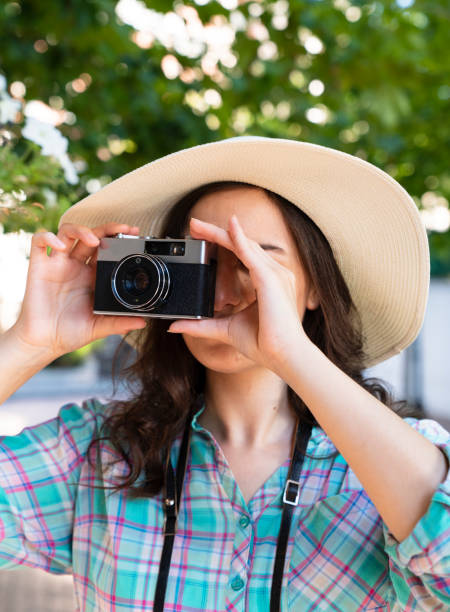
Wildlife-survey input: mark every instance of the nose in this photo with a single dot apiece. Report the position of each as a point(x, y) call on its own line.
point(229, 289)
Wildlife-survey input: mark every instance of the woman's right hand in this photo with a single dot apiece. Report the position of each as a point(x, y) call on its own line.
point(57, 311)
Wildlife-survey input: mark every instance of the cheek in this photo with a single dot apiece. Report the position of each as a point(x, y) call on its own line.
point(196, 346)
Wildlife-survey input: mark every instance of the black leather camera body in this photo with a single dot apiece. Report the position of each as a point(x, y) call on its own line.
point(145, 276)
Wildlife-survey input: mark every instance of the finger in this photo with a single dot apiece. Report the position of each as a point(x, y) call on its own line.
point(234, 239)
point(87, 254)
point(248, 251)
point(41, 241)
point(71, 231)
point(71, 234)
point(210, 232)
point(112, 228)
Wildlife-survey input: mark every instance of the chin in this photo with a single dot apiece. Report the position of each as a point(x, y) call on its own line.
point(217, 356)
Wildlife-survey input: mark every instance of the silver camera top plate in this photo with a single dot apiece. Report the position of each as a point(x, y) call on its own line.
point(118, 247)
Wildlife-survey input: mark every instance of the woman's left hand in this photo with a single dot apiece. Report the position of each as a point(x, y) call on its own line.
point(269, 330)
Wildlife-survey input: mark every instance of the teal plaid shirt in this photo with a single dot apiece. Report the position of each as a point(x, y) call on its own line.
point(340, 554)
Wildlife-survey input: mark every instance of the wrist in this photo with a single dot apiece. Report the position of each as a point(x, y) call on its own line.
point(296, 356)
point(20, 361)
point(22, 349)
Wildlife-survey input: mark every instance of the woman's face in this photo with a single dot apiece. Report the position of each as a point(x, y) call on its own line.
point(263, 222)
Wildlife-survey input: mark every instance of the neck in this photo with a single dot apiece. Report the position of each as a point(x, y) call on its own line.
point(249, 409)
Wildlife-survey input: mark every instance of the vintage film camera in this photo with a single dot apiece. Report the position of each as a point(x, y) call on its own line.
point(153, 277)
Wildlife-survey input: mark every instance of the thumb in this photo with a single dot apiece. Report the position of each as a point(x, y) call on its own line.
point(214, 329)
point(106, 325)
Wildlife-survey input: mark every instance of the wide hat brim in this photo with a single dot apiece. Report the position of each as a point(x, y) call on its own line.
point(372, 224)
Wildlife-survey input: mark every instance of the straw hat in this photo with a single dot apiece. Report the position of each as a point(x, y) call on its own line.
point(372, 224)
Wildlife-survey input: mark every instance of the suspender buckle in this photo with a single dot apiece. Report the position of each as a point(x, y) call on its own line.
point(170, 525)
point(291, 492)
point(170, 517)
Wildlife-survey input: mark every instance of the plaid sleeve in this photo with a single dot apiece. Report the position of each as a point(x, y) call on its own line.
point(39, 471)
point(420, 564)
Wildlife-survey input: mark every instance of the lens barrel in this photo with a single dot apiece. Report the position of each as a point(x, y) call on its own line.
point(140, 282)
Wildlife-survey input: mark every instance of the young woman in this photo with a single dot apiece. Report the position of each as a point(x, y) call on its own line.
point(299, 484)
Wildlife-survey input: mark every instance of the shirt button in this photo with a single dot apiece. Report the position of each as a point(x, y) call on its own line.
point(237, 583)
point(244, 521)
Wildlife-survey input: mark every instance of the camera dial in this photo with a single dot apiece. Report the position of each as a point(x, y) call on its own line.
point(140, 282)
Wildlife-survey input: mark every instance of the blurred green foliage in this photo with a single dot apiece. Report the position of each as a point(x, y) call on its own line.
point(77, 357)
point(383, 67)
point(29, 178)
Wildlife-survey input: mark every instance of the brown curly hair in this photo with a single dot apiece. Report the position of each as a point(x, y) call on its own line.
point(166, 381)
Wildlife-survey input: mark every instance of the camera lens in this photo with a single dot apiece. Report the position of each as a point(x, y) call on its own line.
point(140, 282)
point(136, 281)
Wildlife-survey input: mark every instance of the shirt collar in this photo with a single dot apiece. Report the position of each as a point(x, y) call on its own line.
point(195, 424)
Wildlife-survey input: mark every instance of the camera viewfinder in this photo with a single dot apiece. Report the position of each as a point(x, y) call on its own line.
point(177, 248)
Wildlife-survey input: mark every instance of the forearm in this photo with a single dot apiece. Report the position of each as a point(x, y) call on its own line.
point(19, 362)
point(399, 468)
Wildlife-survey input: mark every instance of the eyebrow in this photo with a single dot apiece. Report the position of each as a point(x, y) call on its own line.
point(271, 247)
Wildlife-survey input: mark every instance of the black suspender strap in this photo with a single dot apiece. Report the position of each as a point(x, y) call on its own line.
point(174, 486)
point(173, 489)
point(290, 500)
